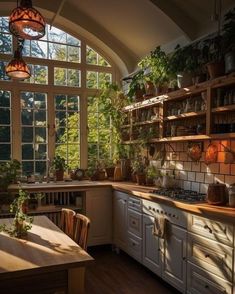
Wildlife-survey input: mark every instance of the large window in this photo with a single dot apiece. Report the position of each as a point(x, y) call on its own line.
point(49, 111)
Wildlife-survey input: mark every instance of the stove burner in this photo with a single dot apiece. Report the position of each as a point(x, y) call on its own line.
point(181, 194)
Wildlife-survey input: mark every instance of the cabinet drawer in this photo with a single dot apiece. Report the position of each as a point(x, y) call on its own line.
point(134, 247)
point(135, 203)
point(201, 282)
point(135, 222)
point(211, 255)
point(211, 229)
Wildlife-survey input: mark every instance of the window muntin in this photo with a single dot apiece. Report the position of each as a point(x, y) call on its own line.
point(5, 125)
point(99, 132)
point(55, 45)
point(39, 74)
point(67, 128)
point(34, 135)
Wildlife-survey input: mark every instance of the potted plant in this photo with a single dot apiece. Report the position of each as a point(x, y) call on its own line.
point(181, 65)
point(229, 41)
point(212, 53)
point(138, 168)
point(109, 167)
point(151, 174)
point(156, 69)
point(59, 166)
point(136, 87)
point(22, 222)
point(9, 171)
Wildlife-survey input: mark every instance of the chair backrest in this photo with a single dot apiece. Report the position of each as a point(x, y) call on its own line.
point(81, 229)
point(67, 221)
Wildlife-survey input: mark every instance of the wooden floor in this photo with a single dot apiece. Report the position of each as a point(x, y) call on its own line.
point(120, 274)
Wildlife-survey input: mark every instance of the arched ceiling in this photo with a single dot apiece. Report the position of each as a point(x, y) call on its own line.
point(127, 30)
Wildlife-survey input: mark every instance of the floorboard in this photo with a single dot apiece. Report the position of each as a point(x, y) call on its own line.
point(120, 274)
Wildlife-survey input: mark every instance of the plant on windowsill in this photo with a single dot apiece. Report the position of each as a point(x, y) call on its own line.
point(59, 166)
point(22, 223)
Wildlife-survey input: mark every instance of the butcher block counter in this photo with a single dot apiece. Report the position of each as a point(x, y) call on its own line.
point(144, 192)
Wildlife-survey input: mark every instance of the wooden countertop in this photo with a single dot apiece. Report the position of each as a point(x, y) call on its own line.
point(143, 192)
point(45, 248)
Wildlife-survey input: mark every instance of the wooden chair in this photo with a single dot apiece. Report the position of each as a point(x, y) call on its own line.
point(67, 221)
point(81, 229)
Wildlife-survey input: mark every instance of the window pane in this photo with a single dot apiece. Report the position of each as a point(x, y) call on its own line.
point(5, 134)
point(92, 57)
point(34, 113)
point(73, 54)
point(57, 51)
point(92, 80)
point(60, 78)
point(104, 78)
point(4, 116)
point(39, 49)
point(56, 35)
point(3, 75)
point(73, 78)
point(5, 43)
point(5, 151)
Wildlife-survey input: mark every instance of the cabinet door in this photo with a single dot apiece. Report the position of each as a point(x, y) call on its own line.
point(174, 257)
point(120, 219)
point(151, 246)
point(99, 210)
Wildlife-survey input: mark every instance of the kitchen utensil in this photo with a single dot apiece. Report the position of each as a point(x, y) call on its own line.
point(217, 194)
point(211, 154)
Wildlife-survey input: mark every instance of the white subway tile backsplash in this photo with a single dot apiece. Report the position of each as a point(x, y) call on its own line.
point(195, 186)
point(183, 156)
point(183, 175)
point(232, 169)
point(229, 180)
point(191, 176)
point(200, 177)
point(203, 188)
point(214, 168)
point(219, 178)
point(187, 185)
point(224, 169)
point(187, 165)
point(209, 178)
point(196, 166)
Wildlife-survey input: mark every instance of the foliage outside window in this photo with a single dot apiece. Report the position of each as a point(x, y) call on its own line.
point(60, 67)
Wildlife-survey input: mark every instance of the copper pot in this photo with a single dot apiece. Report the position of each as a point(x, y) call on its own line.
point(217, 194)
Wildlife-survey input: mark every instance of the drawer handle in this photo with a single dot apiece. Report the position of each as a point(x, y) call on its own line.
point(209, 229)
point(206, 286)
point(159, 249)
point(207, 255)
point(133, 223)
point(133, 244)
point(184, 258)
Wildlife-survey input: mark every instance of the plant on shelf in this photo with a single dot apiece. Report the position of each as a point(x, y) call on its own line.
point(151, 174)
point(156, 69)
point(22, 223)
point(212, 53)
point(229, 40)
point(138, 169)
point(59, 166)
point(136, 87)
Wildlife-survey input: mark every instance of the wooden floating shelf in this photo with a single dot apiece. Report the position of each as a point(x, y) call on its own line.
point(184, 115)
point(223, 108)
point(146, 103)
point(182, 138)
point(222, 136)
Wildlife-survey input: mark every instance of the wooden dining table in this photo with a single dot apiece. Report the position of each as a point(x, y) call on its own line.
point(45, 261)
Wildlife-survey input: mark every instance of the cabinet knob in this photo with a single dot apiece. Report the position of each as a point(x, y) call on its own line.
point(184, 258)
point(133, 244)
point(159, 249)
point(207, 255)
point(133, 223)
point(206, 286)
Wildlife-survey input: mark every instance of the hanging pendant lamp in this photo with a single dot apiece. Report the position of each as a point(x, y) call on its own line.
point(26, 22)
point(17, 68)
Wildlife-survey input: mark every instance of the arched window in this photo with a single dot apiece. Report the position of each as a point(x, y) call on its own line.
point(48, 113)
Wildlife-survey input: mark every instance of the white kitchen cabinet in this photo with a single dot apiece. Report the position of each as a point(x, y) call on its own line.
point(151, 246)
point(174, 257)
point(120, 236)
point(99, 210)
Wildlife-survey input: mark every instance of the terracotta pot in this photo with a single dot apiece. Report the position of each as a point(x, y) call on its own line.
point(149, 182)
point(133, 178)
point(141, 179)
point(59, 175)
point(217, 194)
point(215, 69)
point(110, 171)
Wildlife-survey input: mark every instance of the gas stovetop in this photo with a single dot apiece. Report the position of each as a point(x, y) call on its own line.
point(181, 194)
